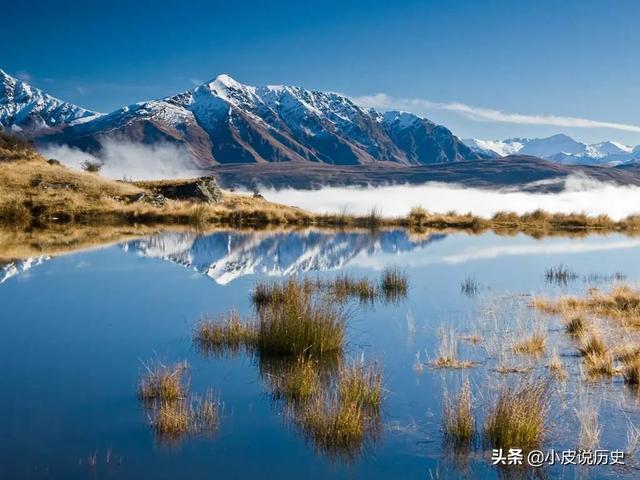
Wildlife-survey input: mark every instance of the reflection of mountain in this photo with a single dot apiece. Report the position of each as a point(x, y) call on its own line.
point(225, 256)
point(12, 269)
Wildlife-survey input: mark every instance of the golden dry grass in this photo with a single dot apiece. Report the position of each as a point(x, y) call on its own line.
point(162, 382)
point(360, 383)
point(226, 333)
point(518, 418)
point(533, 345)
point(459, 423)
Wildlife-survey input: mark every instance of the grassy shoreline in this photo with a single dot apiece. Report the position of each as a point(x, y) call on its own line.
point(39, 194)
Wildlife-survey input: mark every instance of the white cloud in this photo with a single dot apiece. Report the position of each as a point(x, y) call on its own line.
point(420, 105)
point(579, 195)
point(133, 161)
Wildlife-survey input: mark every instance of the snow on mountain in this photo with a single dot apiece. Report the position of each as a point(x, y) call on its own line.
point(26, 108)
point(560, 148)
point(224, 121)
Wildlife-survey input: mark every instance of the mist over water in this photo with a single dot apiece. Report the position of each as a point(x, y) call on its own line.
point(580, 195)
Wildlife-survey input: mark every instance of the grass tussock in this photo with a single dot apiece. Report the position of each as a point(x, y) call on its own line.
point(589, 436)
point(394, 284)
point(361, 383)
point(448, 351)
point(557, 367)
point(518, 419)
point(593, 344)
point(163, 382)
point(345, 287)
point(458, 421)
point(225, 333)
point(599, 364)
point(301, 323)
point(576, 326)
point(631, 371)
point(533, 345)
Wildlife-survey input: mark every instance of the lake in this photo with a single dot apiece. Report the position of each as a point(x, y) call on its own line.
point(77, 328)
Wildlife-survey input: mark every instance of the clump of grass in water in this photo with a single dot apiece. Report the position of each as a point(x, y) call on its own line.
point(301, 323)
point(576, 326)
point(631, 371)
point(162, 382)
point(458, 421)
point(394, 284)
point(298, 381)
point(556, 366)
point(599, 364)
point(533, 345)
point(225, 333)
point(448, 351)
point(344, 287)
point(559, 275)
point(334, 427)
point(360, 383)
point(469, 287)
point(594, 344)
point(265, 293)
point(519, 416)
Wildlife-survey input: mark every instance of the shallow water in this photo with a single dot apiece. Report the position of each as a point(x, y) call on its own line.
point(75, 329)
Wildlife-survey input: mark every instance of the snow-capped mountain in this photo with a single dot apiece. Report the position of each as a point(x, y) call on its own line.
point(560, 148)
point(227, 256)
point(25, 108)
point(224, 121)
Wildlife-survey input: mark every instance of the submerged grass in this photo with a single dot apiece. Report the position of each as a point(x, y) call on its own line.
point(448, 351)
point(518, 419)
point(173, 419)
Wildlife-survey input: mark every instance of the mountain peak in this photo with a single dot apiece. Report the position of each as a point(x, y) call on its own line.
point(225, 80)
point(23, 107)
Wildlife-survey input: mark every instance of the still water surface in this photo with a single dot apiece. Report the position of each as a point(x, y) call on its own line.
point(75, 329)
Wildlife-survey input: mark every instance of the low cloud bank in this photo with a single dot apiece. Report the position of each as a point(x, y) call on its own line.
point(131, 161)
point(580, 195)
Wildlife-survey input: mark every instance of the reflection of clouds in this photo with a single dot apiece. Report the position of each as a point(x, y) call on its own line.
point(471, 253)
point(537, 249)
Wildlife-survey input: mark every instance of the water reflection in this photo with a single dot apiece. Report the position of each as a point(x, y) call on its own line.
point(227, 256)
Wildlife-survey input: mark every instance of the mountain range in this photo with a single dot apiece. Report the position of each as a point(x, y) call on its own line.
point(224, 121)
point(558, 148)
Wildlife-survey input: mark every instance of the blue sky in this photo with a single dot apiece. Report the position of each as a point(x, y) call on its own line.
point(541, 60)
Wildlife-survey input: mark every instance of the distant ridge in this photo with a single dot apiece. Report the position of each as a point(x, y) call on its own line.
point(224, 121)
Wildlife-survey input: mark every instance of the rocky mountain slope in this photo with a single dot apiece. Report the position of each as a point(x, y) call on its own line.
point(224, 121)
point(24, 108)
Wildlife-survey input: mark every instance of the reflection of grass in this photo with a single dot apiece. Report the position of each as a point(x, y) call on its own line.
point(173, 419)
point(469, 287)
point(519, 416)
point(162, 382)
point(559, 275)
point(335, 427)
point(631, 371)
point(297, 380)
point(457, 416)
